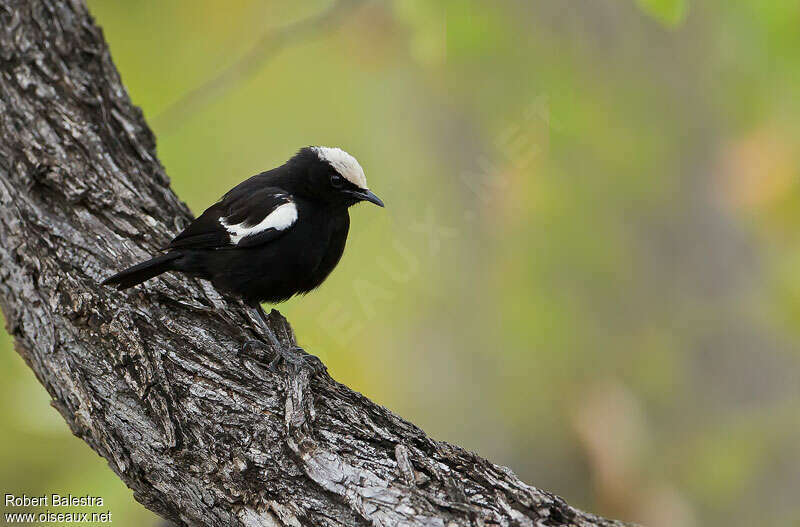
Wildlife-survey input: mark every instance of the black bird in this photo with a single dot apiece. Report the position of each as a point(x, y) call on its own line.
point(275, 235)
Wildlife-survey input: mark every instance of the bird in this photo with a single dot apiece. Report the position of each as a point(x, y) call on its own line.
point(277, 234)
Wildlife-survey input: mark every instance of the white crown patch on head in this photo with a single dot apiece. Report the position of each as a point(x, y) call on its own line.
point(345, 164)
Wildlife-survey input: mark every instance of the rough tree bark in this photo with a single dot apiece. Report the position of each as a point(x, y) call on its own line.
point(153, 379)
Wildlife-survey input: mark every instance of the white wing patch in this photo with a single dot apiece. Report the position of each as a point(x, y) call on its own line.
point(280, 219)
point(344, 163)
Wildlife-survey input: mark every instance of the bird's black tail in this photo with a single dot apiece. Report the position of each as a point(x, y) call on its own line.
point(143, 271)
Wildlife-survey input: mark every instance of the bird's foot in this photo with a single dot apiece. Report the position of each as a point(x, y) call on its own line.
point(256, 349)
point(295, 357)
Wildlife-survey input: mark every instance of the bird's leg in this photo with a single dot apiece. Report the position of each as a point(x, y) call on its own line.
point(294, 356)
point(256, 344)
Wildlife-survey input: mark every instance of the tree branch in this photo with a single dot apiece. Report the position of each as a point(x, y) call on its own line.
point(266, 48)
point(153, 379)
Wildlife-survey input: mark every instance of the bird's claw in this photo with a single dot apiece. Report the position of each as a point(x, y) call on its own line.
point(250, 345)
point(295, 358)
point(255, 349)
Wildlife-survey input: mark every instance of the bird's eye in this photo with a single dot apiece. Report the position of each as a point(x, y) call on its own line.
point(336, 180)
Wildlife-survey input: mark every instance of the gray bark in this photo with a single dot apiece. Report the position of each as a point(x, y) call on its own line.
point(152, 379)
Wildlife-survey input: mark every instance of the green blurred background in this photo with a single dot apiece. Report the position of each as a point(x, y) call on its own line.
point(589, 264)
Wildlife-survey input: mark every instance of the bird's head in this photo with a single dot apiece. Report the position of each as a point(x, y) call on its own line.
point(334, 176)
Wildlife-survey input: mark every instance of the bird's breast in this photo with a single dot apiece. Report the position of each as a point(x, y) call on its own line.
point(331, 233)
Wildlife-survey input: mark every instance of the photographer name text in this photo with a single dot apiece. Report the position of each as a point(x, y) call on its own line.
point(53, 500)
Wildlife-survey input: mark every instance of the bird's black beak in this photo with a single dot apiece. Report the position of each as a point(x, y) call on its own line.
point(367, 195)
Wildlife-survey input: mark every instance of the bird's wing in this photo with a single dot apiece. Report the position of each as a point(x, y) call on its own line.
point(240, 219)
